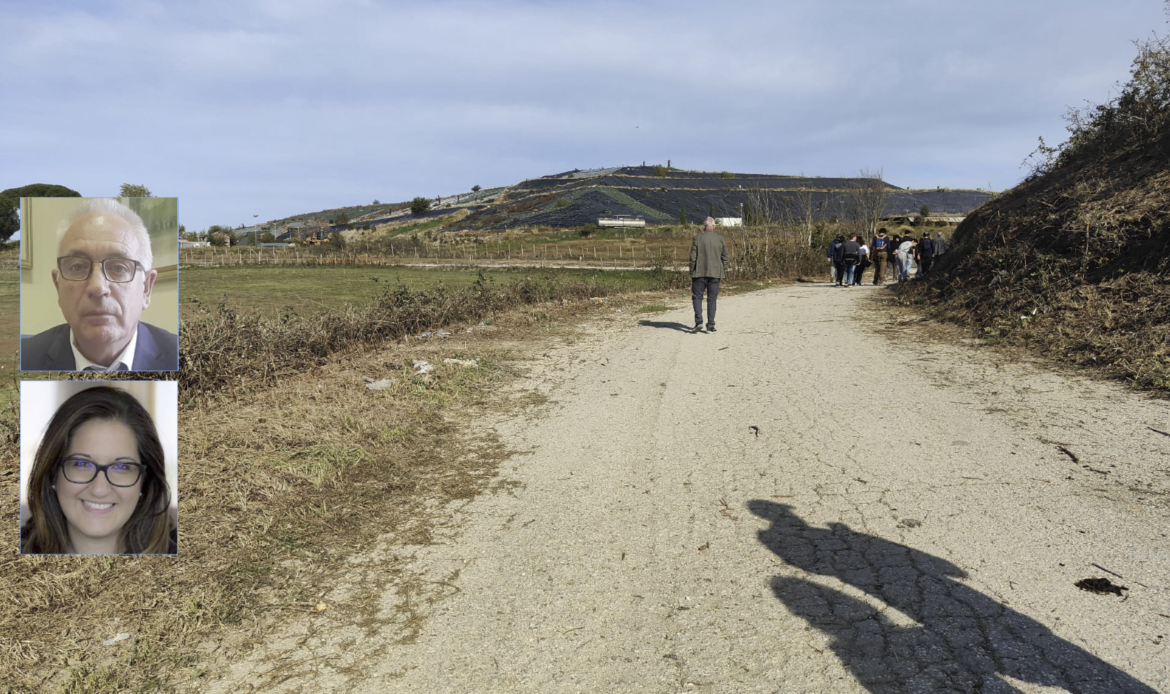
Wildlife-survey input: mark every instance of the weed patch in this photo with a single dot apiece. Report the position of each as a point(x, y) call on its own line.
point(224, 349)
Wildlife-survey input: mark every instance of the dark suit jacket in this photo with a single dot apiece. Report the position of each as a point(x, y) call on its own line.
point(157, 350)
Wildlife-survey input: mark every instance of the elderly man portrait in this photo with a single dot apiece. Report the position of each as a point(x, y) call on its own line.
point(104, 277)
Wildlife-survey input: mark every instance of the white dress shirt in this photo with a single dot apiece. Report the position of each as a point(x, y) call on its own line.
point(126, 358)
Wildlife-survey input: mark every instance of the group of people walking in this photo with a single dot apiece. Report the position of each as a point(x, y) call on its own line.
point(891, 257)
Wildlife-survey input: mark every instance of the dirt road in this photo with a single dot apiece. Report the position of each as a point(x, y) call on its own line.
point(796, 503)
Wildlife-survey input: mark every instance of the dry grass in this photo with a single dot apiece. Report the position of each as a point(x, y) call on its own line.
point(766, 252)
point(1074, 264)
point(278, 486)
point(289, 466)
point(406, 225)
point(225, 353)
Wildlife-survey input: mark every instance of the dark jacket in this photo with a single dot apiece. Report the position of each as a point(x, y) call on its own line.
point(926, 248)
point(851, 252)
point(157, 350)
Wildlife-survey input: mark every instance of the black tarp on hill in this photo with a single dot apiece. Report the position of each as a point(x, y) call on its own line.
point(644, 177)
point(573, 202)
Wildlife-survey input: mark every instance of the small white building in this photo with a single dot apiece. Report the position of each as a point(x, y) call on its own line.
point(621, 221)
point(729, 221)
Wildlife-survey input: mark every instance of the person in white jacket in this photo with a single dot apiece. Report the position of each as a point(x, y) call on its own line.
point(905, 256)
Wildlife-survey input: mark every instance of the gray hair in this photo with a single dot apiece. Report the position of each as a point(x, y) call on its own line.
point(112, 206)
point(710, 223)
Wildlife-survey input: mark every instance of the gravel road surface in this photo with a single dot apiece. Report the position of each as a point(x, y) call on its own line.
point(810, 500)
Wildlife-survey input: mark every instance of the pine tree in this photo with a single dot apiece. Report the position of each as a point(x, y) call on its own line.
point(682, 215)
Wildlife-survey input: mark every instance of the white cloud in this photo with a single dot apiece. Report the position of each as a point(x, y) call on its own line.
point(275, 107)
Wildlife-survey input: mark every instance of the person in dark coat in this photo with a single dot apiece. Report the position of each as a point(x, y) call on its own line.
point(834, 245)
point(850, 258)
point(104, 278)
point(837, 258)
point(925, 254)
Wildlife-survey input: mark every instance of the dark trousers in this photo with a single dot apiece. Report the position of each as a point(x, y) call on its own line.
point(840, 266)
point(859, 271)
point(879, 267)
point(924, 264)
point(698, 286)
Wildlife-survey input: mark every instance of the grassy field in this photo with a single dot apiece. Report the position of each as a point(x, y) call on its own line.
point(310, 290)
point(9, 333)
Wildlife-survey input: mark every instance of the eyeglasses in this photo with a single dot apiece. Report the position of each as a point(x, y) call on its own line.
point(78, 267)
point(82, 471)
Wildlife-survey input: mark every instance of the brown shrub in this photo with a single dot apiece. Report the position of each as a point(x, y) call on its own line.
point(223, 349)
point(1074, 263)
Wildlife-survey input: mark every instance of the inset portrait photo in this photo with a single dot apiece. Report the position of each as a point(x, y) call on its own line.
point(99, 285)
point(99, 467)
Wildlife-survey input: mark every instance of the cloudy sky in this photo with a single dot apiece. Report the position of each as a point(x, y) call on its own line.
point(276, 107)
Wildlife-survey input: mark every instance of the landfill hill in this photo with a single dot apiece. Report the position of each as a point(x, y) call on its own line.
point(660, 195)
point(657, 194)
point(1075, 262)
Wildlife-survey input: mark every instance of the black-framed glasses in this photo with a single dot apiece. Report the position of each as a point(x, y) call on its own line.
point(83, 471)
point(78, 267)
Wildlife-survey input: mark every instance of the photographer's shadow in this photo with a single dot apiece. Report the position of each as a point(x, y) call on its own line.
point(964, 639)
point(670, 325)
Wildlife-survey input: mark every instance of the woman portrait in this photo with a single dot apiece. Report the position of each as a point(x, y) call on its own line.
point(98, 479)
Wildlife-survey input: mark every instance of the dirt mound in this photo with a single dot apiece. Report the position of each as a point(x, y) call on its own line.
point(1076, 261)
point(660, 195)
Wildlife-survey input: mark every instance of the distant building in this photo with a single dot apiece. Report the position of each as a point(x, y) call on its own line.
point(621, 221)
point(184, 243)
point(729, 221)
point(912, 219)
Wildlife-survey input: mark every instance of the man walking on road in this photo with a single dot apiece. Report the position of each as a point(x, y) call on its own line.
point(708, 263)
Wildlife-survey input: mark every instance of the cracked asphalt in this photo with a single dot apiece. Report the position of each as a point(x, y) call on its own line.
point(813, 499)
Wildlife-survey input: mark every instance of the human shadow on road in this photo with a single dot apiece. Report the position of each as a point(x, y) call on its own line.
point(664, 324)
point(963, 639)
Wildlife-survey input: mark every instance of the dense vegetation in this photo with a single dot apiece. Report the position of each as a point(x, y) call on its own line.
point(1075, 261)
